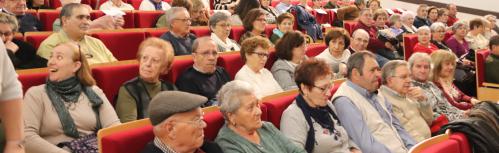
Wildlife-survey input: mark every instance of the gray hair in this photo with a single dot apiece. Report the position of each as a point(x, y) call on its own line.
point(423, 28)
point(460, 24)
point(417, 57)
point(9, 19)
point(229, 96)
point(217, 17)
point(490, 16)
point(360, 32)
point(67, 10)
point(170, 15)
point(407, 14)
point(195, 44)
point(437, 25)
point(388, 69)
point(356, 61)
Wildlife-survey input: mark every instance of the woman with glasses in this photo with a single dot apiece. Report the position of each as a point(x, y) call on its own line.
point(255, 52)
point(438, 35)
point(254, 24)
point(290, 52)
point(69, 106)
point(285, 23)
point(220, 27)
point(336, 54)
point(244, 131)
point(310, 121)
point(22, 54)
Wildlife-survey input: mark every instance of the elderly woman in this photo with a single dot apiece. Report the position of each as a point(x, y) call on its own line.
point(457, 43)
point(424, 37)
point(254, 53)
point(254, 24)
point(290, 52)
point(336, 55)
point(69, 106)
point(311, 121)
point(242, 10)
point(244, 131)
point(380, 17)
point(492, 19)
point(475, 37)
point(444, 65)
point(116, 5)
point(285, 23)
point(155, 57)
point(374, 5)
point(199, 13)
point(407, 22)
point(271, 11)
point(154, 5)
point(220, 29)
point(22, 54)
point(442, 15)
point(432, 14)
point(438, 35)
point(488, 31)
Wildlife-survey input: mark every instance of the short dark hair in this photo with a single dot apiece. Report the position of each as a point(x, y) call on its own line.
point(252, 15)
point(432, 8)
point(475, 23)
point(310, 70)
point(337, 33)
point(187, 4)
point(249, 45)
point(67, 10)
point(284, 16)
point(243, 7)
point(378, 13)
point(356, 61)
point(441, 11)
point(285, 45)
point(494, 41)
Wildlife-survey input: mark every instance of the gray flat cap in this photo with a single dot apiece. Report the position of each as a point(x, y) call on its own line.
point(168, 103)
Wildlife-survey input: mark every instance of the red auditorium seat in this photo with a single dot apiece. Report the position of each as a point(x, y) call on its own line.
point(200, 31)
point(135, 3)
point(107, 80)
point(179, 65)
point(32, 12)
point(214, 121)
point(94, 14)
point(122, 49)
point(236, 32)
point(272, 58)
point(57, 3)
point(349, 25)
point(47, 17)
point(463, 141)
point(232, 63)
point(269, 28)
point(155, 32)
point(315, 49)
point(135, 140)
point(480, 66)
point(147, 19)
point(323, 18)
point(449, 145)
point(409, 41)
point(36, 38)
point(276, 107)
point(448, 34)
point(32, 79)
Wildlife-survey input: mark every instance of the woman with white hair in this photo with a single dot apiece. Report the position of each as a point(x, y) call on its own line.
point(220, 27)
point(244, 131)
point(492, 19)
point(407, 22)
point(424, 38)
point(438, 35)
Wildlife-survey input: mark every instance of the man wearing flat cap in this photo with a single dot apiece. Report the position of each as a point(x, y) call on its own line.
point(178, 124)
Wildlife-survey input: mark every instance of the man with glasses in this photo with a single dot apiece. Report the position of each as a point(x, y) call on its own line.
point(367, 116)
point(178, 124)
point(409, 103)
point(178, 22)
point(204, 78)
point(17, 8)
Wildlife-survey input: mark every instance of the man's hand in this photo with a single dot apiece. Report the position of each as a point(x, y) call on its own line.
point(13, 147)
point(416, 93)
point(11, 46)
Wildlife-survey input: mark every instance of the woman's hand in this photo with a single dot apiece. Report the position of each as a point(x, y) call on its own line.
point(474, 101)
point(416, 93)
point(13, 147)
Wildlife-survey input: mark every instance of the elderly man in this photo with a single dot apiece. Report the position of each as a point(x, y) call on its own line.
point(409, 103)
point(366, 22)
point(452, 14)
point(178, 124)
point(204, 77)
point(419, 65)
point(421, 17)
point(179, 23)
point(360, 40)
point(367, 116)
point(17, 8)
point(75, 24)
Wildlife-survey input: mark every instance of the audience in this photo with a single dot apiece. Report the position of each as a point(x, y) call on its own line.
point(187, 4)
point(359, 41)
point(36, 4)
point(254, 24)
point(452, 14)
point(332, 4)
point(27, 22)
point(421, 17)
point(424, 45)
point(396, 28)
point(255, 53)
point(409, 104)
point(285, 23)
point(244, 131)
point(475, 37)
point(366, 22)
point(374, 5)
point(290, 51)
point(220, 27)
point(199, 13)
point(444, 66)
point(317, 4)
point(310, 122)
point(492, 19)
point(11, 107)
point(179, 25)
point(492, 61)
point(242, 10)
point(204, 78)
point(336, 55)
point(178, 124)
point(380, 18)
point(456, 42)
point(69, 106)
point(366, 116)
point(22, 54)
point(407, 22)
point(155, 57)
point(116, 5)
point(225, 4)
point(271, 12)
point(488, 31)
point(438, 35)
point(432, 14)
point(443, 15)
point(75, 25)
point(283, 6)
point(154, 5)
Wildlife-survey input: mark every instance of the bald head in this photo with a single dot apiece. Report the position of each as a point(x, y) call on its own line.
point(360, 40)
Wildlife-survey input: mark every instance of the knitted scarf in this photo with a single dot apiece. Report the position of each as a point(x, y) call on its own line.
point(68, 91)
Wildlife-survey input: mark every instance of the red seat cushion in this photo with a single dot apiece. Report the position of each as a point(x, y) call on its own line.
point(47, 17)
point(271, 60)
point(95, 14)
point(463, 141)
point(123, 44)
point(129, 141)
point(315, 49)
point(449, 145)
point(155, 32)
point(179, 65)
point(37, 38)
point(480, 66)
point(276, 107)
point(201, 31)
point(147, 19)
point(33, 79)
point(236, 32)
point(349, 25)
point(410, 40)
point(214, 121)
point(107, 80)
point(448, 34)
point(135, 3)
point(232, 63)
point(269, 28)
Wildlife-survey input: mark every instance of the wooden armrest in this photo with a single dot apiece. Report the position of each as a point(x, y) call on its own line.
point(494, 85)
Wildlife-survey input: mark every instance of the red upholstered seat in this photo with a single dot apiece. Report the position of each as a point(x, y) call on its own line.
point(155, 32)
point(315, 49)
point(47, 17)
point(135, 3)
point(93, 3)
point(94, 14)
point(232, 63)
point(33, 79)
point(36, 38)
point(32, 12)
point(409, 41)
point(463, 141)
point(57, 3)
point(276, 107)
point(269, 28)
point(270, 61)
point(450, 145)
point(110, 77)
point(179, 65)
point(480, 66)
point(349, 25)
point(236, 32)
point(448, 34)
point(201, 31)
point(130, 141)
point(147, 19)
point(323, 18)
point(123, 44)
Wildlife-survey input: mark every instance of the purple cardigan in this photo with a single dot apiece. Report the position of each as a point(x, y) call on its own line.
point(458, 48)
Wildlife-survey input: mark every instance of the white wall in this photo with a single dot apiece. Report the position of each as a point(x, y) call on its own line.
point(488, 5)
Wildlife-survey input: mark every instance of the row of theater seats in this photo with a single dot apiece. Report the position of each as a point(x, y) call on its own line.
point(105, 74)
point(448, 142)
point(96, 3)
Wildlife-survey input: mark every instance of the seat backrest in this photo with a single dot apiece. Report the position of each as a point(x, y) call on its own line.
point(123, 44)
point(433, 142)
point(349, 25)
point(214, 121)
point(315, 49)
point(269, 28)
point(232, 63)
point(135, 3)
point(179, 65)
point(480, 66)
point(36, 38)
point(449, 145)
point(200, 31)
point(110, 77)
point(236, 32)
point(120, 128)
point(47, 17)
point(128, 141)
point(276, 106)
point(463, 141)
point(155, 32)
point(410, 40)
point(29, 80)
point(147, 19)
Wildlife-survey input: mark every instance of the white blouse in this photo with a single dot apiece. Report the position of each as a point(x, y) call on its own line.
point(263, 81)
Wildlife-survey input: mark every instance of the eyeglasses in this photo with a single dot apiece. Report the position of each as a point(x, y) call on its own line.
point(184, 20)
point(224, 25)
point(261, 55)
point(324, 89)
point(402, 77)
point(206, 54)
point(6, 34)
